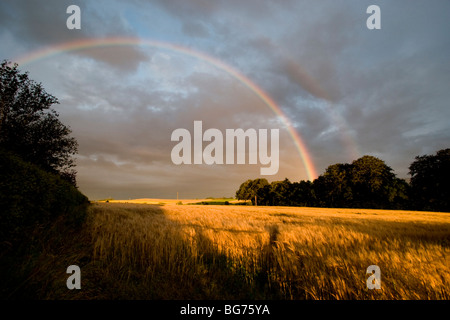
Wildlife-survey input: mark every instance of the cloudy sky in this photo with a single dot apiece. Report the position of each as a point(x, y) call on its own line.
point(346, 90)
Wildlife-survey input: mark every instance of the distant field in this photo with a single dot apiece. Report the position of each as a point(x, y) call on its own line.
point(176, 201)
point(151, 251)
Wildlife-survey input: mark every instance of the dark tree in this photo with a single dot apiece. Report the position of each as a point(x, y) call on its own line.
point(249, 190)
point(302, 194)
point(372, 182)
point(242, 192)
point(338, 185)
point(365, 183)
point(430, 181)
point(281, 192)
point(30, 128)
point(265, 195)
point(399, 194)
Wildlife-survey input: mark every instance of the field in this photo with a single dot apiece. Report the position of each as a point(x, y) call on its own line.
point(177, 201)
point(169, 251)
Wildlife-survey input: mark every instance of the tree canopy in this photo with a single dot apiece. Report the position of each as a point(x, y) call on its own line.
point(249, 189)
point(30, 128)
point(430, 181)
point(365, 183)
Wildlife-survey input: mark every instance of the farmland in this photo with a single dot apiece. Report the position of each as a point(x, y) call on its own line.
point(169, 251)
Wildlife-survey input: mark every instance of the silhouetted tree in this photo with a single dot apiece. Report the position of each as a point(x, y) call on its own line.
point(365, 183)
point(302, 194)
point(338, 185)
point(399, 194)
point(249, 189)
point(280, 192)
point(265, 195)
point(372, 182)
point(430, 181)
point(30, 128)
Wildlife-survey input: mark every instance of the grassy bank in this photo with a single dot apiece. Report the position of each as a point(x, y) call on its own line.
point(39, 214)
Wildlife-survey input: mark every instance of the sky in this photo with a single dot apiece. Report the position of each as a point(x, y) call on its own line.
point(311, 69)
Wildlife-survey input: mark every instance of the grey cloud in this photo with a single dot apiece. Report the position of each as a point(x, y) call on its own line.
point(41, 24)
point(125, 59)
point(37, 22)
point(195, 29)
point(297, 75)
point(339, 83)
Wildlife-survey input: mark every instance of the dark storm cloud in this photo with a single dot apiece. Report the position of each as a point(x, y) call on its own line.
point(37, 22)
point(41, 24)
point(327, 53)
point(121, 123)
point(195, 29)
point(346, 89)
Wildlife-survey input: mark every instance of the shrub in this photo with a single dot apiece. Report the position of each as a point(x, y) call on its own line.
point(31, 198)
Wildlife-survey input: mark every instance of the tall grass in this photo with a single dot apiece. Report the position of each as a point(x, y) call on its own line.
point(234, 252)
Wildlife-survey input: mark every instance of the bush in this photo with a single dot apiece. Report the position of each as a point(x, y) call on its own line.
point(31, 198)
point(39, 213)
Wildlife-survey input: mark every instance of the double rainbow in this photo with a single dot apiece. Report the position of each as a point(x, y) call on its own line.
point(120, 41)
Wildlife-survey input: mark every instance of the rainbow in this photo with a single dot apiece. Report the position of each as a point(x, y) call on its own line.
point(127, 41)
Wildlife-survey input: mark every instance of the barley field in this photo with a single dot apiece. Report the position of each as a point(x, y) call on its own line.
point(169, 251)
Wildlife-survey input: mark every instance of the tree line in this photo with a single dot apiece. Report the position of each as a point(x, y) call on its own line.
point(37, 176)
point(30, 127)
point(40, 206)
point(365, 183)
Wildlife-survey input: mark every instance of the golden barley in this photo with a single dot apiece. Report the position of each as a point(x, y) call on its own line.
point(193, 251)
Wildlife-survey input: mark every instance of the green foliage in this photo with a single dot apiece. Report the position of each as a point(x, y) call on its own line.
point(302, 194)
point(249, 189)
point(31, 199)
point(365, 183)
point(213, 202)
point(430, 181)
point(40, 211)
point(371, 179)
point(30, 128)
point(334, 187)
point(39, 203)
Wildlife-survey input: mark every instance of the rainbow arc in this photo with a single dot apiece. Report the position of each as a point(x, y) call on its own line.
point(127, 41)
